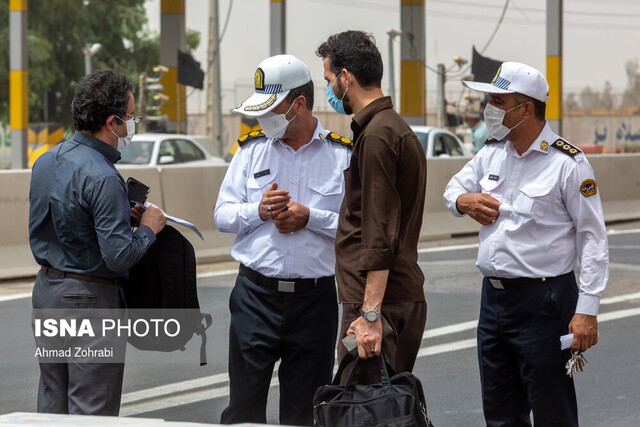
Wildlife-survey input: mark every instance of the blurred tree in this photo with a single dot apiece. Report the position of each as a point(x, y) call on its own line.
point(570, 102)
point(607, 96)
point(631, 95)
point(589, 99)
point(57, 32)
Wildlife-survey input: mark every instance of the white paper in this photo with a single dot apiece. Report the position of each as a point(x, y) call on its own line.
point(185, 223)
point(175, 220)
point(566, 341)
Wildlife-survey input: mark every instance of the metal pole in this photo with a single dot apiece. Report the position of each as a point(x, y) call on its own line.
point(554, 64)
point(412, 62)
point(278, 27)
point(18, 83)
point(142, 96)
point(218, 88)
point(87, 59)
point(392, 85)
point(172, 38)
point(210, 70)
point(441, 110)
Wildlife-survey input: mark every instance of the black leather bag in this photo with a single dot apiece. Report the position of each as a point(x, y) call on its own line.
point(397, 401)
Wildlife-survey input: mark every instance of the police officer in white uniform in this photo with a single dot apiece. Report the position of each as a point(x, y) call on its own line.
point(538, 202)
point(281, 196)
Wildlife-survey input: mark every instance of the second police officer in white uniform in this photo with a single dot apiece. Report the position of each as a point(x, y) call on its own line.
point(281, 196)
point(537, 200)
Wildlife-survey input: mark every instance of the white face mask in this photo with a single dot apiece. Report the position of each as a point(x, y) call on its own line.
point(493, 117)
point(131, 130)
point(275, 125)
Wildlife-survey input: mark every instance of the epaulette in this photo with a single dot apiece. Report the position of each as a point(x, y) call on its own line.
point(332, 136)
point(250, 136)
point(565, 147)
point(490, 140)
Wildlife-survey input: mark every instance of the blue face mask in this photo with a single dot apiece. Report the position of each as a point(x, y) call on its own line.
point(336, 103)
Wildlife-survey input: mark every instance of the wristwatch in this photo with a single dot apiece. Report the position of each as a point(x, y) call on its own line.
point(371, 315)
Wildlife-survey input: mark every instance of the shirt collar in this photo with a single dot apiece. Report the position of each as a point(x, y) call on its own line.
point(542, 143)
point(318, 134)
point(363, 117)
point(100, 146)
point(544, 140)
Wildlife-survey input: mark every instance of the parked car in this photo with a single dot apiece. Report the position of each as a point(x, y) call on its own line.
point(155, 149)
point(440, 142)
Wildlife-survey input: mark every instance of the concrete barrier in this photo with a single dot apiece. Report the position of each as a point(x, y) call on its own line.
point(190, 192)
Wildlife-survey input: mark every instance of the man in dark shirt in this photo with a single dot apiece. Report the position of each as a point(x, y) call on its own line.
point(80, 233)
point(381, 214)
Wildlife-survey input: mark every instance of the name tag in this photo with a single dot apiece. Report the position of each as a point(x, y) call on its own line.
point(262, 173)
point(493, 177)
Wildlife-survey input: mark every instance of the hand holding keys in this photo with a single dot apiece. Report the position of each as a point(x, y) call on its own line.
point(576, 363)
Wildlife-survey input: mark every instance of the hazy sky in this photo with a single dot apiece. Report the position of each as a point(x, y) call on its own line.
point(600, 36)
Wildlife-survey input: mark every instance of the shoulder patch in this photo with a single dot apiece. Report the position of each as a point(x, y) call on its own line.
point(490, 140)
point(588, 187)
point(250, 136)
point(332, 136)
point(566, 148)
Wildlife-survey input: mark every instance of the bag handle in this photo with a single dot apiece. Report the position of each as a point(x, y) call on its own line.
point(352, 381)
point(348, 358)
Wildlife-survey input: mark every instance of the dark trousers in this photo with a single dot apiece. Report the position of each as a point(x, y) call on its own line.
point(407, 319)
point(521, 364)
point(267, 325)
point(78, 388)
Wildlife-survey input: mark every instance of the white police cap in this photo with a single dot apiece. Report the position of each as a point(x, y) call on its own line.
point(274, 78)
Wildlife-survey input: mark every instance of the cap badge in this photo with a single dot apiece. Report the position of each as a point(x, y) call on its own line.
point(259, 79)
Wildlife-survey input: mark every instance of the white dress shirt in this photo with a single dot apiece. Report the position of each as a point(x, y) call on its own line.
point(546, 223)
point(313, 175)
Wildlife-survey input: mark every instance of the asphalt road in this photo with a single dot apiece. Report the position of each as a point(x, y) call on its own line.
point(174, 387)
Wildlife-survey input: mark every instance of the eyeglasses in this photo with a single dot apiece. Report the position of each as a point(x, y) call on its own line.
point(136, 119)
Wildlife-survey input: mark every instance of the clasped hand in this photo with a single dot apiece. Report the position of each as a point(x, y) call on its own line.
point(287, 216)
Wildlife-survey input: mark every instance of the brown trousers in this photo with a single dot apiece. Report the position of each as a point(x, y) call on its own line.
point(407, 319)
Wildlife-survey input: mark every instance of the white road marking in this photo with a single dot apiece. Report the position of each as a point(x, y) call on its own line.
point(149, 400)
point(448, 248)
point(621, 298)
point(217, 273)
point(624, 266)
point(15, 296)
point(613, 232)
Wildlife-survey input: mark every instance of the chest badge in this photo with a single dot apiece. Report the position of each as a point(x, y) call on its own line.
point(494, 177)
point(261, 173)
point(588, 187)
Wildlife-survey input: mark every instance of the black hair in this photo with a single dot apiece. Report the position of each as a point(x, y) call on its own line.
point(305, 90)
point(357, 52)
point(539, 107)
point(97, 96)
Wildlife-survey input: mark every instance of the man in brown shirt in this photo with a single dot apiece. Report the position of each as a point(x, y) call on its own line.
point(381, 214)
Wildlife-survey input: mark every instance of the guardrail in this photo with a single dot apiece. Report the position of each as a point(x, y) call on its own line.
point(190, 192)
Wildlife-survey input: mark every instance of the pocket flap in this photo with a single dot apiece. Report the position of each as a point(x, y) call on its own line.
point(489, 182)
point(261, 181)
point(535, 189)
point(324, 186)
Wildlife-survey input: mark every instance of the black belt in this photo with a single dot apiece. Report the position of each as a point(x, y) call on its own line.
point(84, 277)
point(500, 283)
point(284, 285)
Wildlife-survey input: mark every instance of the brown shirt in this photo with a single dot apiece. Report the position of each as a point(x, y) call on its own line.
point(381, 213)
